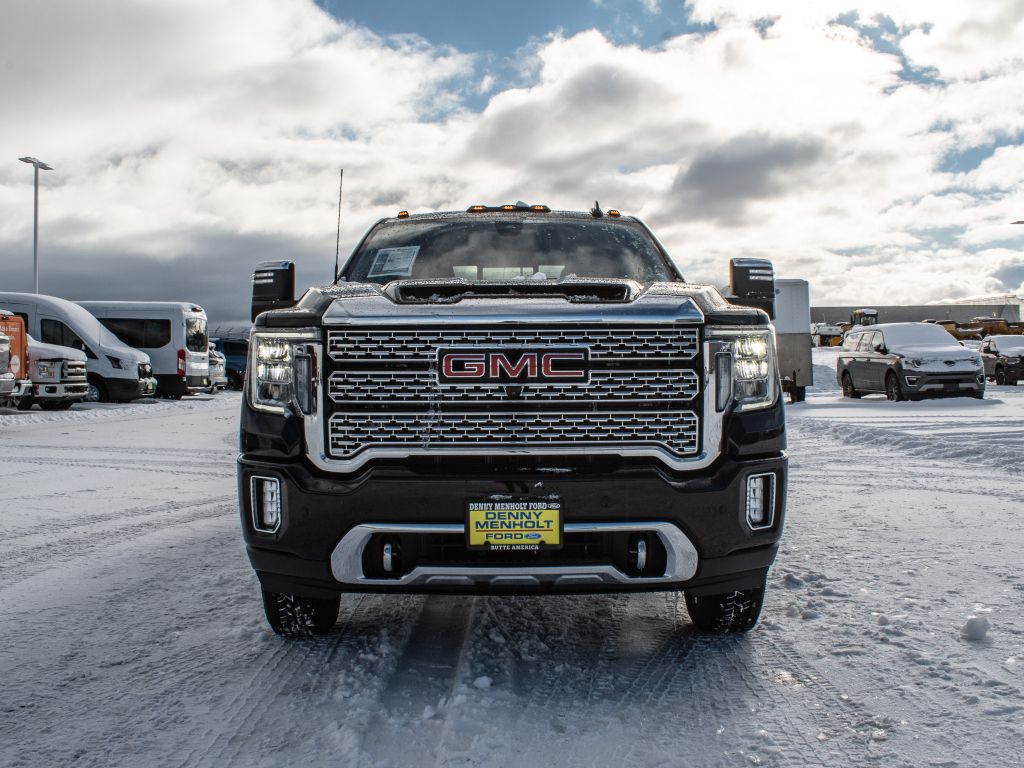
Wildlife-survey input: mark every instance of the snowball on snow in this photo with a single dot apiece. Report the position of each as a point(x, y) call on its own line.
point(483, 682)
point(975, 628)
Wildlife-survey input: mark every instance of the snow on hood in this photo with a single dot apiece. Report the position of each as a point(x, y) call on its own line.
point(40, 350)
point(936, 352)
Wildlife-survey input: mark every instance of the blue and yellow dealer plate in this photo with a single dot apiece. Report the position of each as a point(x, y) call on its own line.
point(514, 524)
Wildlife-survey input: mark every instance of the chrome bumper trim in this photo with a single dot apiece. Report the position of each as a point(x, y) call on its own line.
point(680, 564)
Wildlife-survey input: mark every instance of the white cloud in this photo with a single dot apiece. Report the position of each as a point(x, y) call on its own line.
point(174, 126)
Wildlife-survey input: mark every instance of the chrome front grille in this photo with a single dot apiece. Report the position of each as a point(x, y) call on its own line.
point(383, 397)
point(74, 370)
point(606, 343)
point(676, 431)
point(403, 387)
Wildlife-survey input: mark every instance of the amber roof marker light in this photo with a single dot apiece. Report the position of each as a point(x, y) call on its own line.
point(403, 214)
point(508, 207)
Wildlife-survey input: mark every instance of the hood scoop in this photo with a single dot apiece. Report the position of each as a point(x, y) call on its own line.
point(594, 291)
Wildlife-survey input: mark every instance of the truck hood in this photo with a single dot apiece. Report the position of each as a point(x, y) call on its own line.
point(526, 301)
point(126, 354)
point(40, 350)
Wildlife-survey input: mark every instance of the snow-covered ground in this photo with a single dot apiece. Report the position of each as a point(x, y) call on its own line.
point(131, 632)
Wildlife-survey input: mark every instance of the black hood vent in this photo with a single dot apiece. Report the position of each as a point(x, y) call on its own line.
point(595, 291)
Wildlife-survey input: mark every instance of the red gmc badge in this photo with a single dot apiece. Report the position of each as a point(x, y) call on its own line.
point(519, 365)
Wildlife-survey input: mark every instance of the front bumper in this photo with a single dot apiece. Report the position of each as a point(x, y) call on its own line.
point(927, 383)
point(60, 390)
point(332, 530)
point(181, 385)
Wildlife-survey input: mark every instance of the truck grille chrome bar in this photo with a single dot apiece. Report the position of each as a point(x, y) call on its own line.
point(399, 387)
point(606, 343)
point(675, 431)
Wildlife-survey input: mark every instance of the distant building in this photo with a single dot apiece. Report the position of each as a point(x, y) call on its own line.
point(914, 313)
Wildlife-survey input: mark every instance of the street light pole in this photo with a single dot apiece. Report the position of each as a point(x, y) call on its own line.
point(37, 165)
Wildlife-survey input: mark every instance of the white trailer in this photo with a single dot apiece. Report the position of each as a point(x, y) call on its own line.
point(793, 336)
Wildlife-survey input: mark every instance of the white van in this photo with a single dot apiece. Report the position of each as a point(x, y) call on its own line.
point(172, 333)
point(116, 372)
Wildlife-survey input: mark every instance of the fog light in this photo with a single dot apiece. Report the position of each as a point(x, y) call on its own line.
point(390, 556)
point(638, 552)
point(911, 381)
point(761, 501)
point(265, 494)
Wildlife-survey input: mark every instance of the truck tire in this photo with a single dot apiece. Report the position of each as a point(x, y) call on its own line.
point(291, 616)
point(25, 403)
point(728, 613)
point(893, 390)
point(1001, 377)
point(234, 380)
point(848, 388)
point(798, 394)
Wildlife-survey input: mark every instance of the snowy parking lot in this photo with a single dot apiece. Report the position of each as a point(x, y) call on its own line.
point(132, 633)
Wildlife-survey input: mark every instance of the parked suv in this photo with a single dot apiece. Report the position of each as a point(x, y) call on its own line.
point(1004, 358)
point(908, 361)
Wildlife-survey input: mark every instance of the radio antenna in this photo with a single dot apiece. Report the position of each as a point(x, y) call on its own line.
point(337, 242)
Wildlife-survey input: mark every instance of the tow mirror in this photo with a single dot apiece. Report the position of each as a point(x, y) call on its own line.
point(273, 286)
point(752, 284)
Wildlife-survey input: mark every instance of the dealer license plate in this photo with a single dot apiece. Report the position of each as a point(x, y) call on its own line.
point(514, 524)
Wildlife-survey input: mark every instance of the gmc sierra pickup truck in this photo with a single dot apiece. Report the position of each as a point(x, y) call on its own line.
point(512, 400)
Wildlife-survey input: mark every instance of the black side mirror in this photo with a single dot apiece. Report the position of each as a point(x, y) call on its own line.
point(752, 284)
point(273, 286)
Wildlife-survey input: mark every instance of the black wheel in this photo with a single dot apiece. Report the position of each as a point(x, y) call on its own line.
point(292, 616)
point(798, 394)
point(97, 393)
point(893, 390)
point(1001, 377)
point(848, 388)
point(729, 613)
point(25, 402)
point(234, 380)
point(56, 405)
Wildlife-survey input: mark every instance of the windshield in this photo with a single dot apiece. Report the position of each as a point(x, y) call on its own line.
point(905, 334)
point(507, 248)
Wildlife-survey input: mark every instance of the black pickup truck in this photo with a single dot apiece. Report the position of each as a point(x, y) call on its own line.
point(512, 400)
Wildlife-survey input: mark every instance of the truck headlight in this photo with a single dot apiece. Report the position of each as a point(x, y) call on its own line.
point(49, 369)
point(754, 372)
point(274, 382)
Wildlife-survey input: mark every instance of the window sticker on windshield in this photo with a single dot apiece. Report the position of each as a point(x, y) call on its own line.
point(394, 261)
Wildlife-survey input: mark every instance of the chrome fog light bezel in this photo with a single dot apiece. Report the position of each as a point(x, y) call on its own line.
point(257, 500)
point(765, 502)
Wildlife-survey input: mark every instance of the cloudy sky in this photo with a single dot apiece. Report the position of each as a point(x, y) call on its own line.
point(874, 148)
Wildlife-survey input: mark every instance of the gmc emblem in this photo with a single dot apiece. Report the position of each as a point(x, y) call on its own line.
point(523, 365)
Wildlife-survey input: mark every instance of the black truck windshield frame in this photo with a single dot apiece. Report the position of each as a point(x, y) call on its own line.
point(484, 247)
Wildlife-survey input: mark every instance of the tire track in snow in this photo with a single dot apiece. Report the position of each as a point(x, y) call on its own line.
point(415, 704)
point(63, 544)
